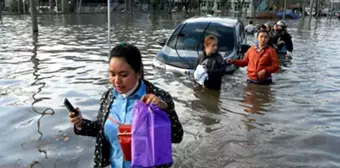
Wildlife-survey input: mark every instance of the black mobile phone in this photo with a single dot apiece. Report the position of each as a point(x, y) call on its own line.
point(69, 106)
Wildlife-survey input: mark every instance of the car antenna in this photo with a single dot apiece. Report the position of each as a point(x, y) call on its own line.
point(200, 41)
point(181, 34)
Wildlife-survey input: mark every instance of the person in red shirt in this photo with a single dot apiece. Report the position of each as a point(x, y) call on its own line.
point(261, 60)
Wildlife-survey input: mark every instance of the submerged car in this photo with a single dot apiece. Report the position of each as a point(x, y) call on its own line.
point(182, 48)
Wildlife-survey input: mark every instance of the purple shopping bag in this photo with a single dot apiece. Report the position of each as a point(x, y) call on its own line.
point(151, 136)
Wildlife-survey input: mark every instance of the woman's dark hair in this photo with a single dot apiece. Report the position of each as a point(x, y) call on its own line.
point(262, 31)
point(263, 27)
point(131, 54)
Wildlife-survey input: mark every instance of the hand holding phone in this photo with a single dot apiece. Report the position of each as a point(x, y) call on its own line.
point(69, 107)
point(75, 118)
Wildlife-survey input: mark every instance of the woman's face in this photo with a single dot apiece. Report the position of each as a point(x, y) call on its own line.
point(122, 76)
point(211, 48)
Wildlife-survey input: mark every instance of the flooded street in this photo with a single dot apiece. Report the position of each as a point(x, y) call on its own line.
point(293, 123)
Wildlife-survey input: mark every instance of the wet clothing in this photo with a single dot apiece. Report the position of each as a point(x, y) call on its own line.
point(106, 144)
point(216, 68)
point(285, 37)
point(258, 59)
point(261, 82)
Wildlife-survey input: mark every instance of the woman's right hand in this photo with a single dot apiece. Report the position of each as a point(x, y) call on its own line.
point(229, 61)
point(76, 119)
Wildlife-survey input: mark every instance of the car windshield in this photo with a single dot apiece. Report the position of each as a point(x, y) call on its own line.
point(189, 36)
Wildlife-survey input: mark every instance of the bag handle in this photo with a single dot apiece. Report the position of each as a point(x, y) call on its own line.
point(150, 109)
point(113, 120)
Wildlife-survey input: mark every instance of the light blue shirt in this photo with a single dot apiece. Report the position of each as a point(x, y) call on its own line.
point(121, 111)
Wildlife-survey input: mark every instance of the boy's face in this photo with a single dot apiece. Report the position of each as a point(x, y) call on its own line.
point(262, 38)
point(211, 48)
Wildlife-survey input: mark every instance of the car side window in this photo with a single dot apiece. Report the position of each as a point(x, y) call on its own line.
point(174, 35)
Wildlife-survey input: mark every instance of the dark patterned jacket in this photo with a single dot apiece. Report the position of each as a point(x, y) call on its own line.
point(96, 128)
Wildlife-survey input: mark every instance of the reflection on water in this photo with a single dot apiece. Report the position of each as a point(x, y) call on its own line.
point(292, 123)
point(207, 108)
point(257, 98)
point(208, 100)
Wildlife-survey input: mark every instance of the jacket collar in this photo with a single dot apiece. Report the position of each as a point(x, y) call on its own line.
point(138, 89)
point(110, 98)
point(257, 48)
point(212, 55)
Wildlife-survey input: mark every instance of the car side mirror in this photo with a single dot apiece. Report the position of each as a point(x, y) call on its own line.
point(161, 41)
point(244, 48)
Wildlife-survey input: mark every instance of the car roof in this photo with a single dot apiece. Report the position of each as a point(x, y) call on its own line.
point(230, 22)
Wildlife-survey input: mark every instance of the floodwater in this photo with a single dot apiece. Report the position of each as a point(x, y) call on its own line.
point(293, 123)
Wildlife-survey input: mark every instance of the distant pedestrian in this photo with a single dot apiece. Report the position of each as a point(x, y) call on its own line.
point(250, 28)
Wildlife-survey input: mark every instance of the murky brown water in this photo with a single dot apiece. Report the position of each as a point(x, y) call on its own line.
point(293, 123)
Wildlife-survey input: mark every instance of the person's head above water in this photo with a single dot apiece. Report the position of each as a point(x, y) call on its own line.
point(263, 27)
point(210, 45)
point(125, 67)
point(280, 25)
point(268, 27)
point(276, 27)
point(262, 37)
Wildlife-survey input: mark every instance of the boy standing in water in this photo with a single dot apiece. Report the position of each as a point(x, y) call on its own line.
point(261, 60)
point(210, 64)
